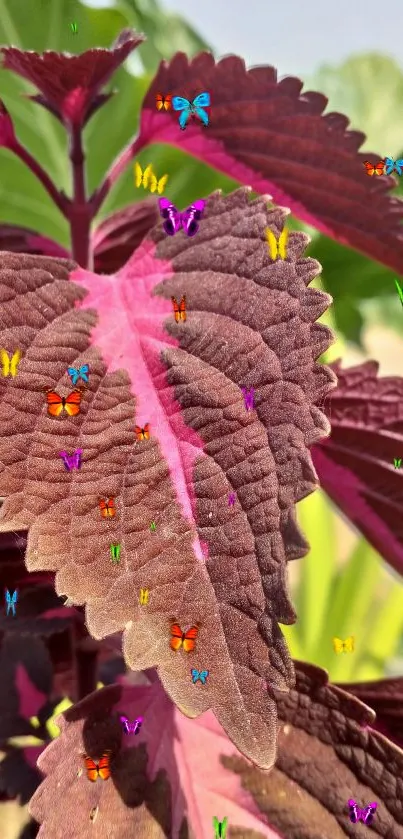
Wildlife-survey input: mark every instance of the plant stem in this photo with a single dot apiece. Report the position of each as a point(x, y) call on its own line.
point(61, 200)
point(119, 164)
point(80, 215)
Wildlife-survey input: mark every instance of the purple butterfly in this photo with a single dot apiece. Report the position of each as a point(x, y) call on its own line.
point(71, 461)
point(131, 727)
point(174, 220)
point(366, 815)
point(249, 397)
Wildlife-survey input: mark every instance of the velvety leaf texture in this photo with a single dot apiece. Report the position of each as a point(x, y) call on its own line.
point(175, 774)
point(355, 464)
point(251, 324)
point(385, 696)
point(265, 133)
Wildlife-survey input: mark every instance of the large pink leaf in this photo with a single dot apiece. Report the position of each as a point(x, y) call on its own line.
point(265, 133)
point(251, 323)
point(355, 464)
point(173, 776)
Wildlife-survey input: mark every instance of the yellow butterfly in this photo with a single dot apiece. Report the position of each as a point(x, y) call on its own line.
point(143, 596)
point(9, 363)
point(346, 646)
point(149, 179)
point(277, 248)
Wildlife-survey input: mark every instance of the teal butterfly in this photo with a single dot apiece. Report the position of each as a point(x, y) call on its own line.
point(195, 108)
point(393, 166)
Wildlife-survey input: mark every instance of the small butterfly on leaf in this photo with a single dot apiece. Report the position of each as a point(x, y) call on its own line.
point(98, 770)
point(220, 828)
point(179, 308)
point(366, 814)
point(78, 373)
point(131, 727)
point(70, 404)
point(346, 646)
point(71, 461)
point(9, 363)
point(174, 219)
point(397, 462)
point(277, 247)
point(144, 594)
point(374, 168)
point(186, 639)
point(200, 676)
point(107, 507)
point(11, 601)
point(163, 103)
point(142, 433)
point(115, 553)
point(195, 108)
point(393, 166)
point(249, 397)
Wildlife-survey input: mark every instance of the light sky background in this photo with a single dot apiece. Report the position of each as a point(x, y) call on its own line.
point(296, 36)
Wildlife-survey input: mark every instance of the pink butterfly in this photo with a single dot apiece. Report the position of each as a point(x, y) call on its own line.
point(71, 461)
point(174, 220)
point(131, 727)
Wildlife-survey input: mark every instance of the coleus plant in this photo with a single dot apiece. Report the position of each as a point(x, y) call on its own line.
point(251, 324)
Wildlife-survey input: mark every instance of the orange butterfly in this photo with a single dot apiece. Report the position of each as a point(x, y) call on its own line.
point(187, 639)
point(70, 403)
point(180, 311)
point(142, 433)
point(374, 169)
point(108, 510)
point(101, 769)
point(163, 103)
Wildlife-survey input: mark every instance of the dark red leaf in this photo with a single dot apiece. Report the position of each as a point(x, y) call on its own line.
point(70, 84)
point(386, 698)
point(265, 133)
point(23, 240)
point(7, 134)
point(355, 464)
point(115, 239)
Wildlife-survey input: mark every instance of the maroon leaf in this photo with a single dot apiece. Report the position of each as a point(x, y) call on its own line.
point(7, 134)
point(23, 240)
point(266, 134)
point(386, 698)
point(70, 85)
point(355, 464)
point(250, 323)
point(327, 754)
point(115, 239)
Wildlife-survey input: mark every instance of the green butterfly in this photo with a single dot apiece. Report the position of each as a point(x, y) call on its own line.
point(399, 291)
point(220, 828)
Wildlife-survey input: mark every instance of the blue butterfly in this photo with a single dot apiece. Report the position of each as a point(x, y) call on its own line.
point(11, 600)
point(392, 166)
point(81, 373)
point(199, 675)
point(196, 108)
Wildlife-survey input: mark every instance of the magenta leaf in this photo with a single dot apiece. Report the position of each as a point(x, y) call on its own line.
point(250, 323)
point(322, 727)
point(266, 134)
point(355, 464)
point(71, 85)
point(115, 238)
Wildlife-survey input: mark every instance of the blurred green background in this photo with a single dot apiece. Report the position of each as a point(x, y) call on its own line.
point(342, 587)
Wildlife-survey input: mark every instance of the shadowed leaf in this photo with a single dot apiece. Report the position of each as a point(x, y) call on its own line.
point(386, 698)
point(266, 134)
point(250, 324)
point(115, 238)
point(22, 240)
point(355, 464)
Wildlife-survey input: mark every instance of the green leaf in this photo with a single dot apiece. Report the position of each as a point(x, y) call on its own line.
point(369, 90)
point(316, 521)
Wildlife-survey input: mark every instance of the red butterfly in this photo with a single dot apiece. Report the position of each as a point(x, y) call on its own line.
point(142, 433)
point(101, 769)
point(108, 510)
point(180, 310)
point(185, 639)
point(163, 103)
point(70, 403)
point(374, 168)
